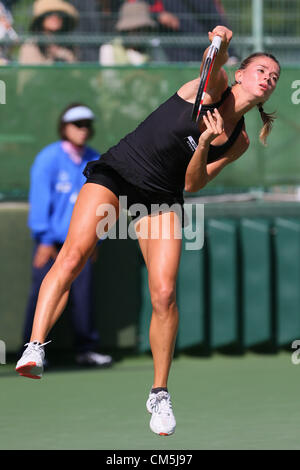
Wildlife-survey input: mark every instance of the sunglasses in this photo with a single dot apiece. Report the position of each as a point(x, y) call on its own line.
point(83, 123)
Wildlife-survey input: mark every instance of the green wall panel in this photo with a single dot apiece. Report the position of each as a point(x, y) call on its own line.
point(191, 298)
point(223, 287)
point(287, 250)
point(255, 272)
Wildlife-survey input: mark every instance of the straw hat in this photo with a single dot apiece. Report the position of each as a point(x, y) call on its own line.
point(133, 16)
point(42, 8)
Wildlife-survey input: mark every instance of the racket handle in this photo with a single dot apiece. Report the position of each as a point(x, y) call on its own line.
point(216, 42)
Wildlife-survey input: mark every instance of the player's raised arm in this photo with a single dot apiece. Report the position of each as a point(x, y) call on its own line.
point(218, 77)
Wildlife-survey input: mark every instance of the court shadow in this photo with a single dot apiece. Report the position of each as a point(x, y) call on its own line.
point(235, 349)
point(195, 351)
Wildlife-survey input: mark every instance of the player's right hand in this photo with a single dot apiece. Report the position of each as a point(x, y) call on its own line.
point(224, 33)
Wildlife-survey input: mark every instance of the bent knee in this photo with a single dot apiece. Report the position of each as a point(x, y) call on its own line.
point(71, 261)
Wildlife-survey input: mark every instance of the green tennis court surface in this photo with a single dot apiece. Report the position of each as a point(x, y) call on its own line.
point(222, 402)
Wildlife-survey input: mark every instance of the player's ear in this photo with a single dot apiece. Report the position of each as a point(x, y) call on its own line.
point(238, 76)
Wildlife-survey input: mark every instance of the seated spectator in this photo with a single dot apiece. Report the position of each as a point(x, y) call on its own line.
point(134, 18)
point(9, 3)
point(184, 17)
point(50, 17)
point(6, 31)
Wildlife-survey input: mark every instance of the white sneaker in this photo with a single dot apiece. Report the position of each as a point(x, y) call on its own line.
point(91, 358)
point(162, 420)
point(32, 360)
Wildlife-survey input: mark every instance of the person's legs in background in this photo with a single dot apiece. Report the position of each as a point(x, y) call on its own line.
point(86, 335)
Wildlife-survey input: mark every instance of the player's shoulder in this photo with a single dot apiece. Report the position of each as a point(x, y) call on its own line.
point(244, 140)
point(188, 91)
point(216, 89)
point(244, 137)
point(240, 146)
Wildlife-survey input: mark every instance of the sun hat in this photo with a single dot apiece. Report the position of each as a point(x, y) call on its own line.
point(42, 8)
point(133, 16)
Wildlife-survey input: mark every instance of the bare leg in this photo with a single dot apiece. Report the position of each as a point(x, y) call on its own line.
point(80, 242)
point(59, 309)
point(162, 258)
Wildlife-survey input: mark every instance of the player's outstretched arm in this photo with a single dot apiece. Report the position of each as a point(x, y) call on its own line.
point(218, 78)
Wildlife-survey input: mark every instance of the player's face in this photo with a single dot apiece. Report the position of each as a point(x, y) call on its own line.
point(260, 77)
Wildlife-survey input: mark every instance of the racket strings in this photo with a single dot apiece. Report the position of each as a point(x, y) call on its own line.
point(204, 79)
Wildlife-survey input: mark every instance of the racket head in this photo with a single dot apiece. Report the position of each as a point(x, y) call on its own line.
point(203, 79)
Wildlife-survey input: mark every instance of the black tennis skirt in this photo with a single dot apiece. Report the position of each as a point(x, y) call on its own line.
point(101, 173)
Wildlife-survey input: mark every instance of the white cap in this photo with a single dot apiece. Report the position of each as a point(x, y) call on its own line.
point(77, 114)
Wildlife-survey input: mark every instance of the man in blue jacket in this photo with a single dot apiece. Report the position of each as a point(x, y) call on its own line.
point(56, 179)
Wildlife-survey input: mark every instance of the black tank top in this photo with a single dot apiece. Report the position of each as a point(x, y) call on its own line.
point(156, 154)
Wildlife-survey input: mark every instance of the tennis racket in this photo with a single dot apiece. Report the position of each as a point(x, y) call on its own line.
point(204, 78)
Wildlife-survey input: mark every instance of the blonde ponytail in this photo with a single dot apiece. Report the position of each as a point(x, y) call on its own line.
point(268, 120)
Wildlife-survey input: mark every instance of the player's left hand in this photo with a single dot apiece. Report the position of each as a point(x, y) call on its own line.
point(214, 127)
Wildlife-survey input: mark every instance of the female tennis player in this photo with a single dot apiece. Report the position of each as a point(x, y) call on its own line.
point(153, 164)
